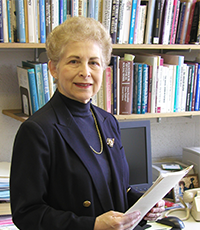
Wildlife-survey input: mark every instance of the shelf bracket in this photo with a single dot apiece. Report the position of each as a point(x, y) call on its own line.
point(36, 55)
point(159, 119)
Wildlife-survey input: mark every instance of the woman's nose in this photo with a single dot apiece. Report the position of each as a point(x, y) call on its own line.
point(84, 71)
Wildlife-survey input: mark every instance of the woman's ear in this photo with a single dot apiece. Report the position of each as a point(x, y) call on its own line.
point(52, 68)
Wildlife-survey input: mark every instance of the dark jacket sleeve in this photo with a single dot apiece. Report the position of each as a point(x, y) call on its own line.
point(29, 181)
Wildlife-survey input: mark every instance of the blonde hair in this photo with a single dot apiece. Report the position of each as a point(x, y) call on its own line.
point(78, 29)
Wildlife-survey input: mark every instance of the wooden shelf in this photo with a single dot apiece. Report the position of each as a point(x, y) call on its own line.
point(157, 47)
point(115, 46)
point(157, 115)
point(22, 45)
point(18, 115)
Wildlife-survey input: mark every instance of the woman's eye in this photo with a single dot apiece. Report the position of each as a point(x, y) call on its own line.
point(73, 61)
point(94, 63)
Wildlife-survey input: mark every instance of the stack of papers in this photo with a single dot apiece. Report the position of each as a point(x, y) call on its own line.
point(5, 211)
point(4, 181)
point(157, 191)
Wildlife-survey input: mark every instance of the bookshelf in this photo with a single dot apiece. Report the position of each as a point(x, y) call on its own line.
point(117, 49)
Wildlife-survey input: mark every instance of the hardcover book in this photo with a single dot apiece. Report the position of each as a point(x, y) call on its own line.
point(114, 20)
point(187, 38)
point(21, 34)
point(28, 92)
point(149, 22)
point(39, 80)
point(126, 87)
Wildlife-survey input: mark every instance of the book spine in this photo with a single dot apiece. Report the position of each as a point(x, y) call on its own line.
point(191, 88)
point(178, 106)
point(157, 14)
point(91, 8)
point(184, 88)
point(42, 21)
point(194, 34)
point(144, 88)
point(107, 95)
point(100, 95)
point(134, 103)
point(115, 64)
point(21, 34)
point(188, 88)
point(31, 21)
point(64, 10)
point(60, 11)
point(149, 22)
point(132, 22)
point(197, 97)
point(167, 22)
point(185, 23)
point(114, 20)
point(136, 22)
point(127, 14)
point(33, 91)
point(126, 87)
point(187, 38)
point(180, 23)
point(9, 21)
point(139, 89)
point(37, 21)
point(52, 85)
point(1, 22)
point(85, 8)
point(26, 20)
point(106, 14)
point(55, 13)
point(149, 89)
point(120, 21)
point(69, 9)
point(96, 10)
point(48, 16)
point(13, 21)
point(74, 8)
point(45, 82)
point(80, 8)
point(141, 28)
point(194, 86)
point(175, 22)
point(5, 21)
point(164, 89)
point(138, 71)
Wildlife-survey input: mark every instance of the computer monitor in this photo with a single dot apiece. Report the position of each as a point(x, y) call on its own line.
point(136, 139)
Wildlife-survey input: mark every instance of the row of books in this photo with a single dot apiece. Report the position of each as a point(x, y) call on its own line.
point(36, 85)
point(5, 210)
point(30, 21)
point(128, 21)
point(150, 83)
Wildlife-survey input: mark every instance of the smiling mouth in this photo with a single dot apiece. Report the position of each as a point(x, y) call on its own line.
point(83, 84)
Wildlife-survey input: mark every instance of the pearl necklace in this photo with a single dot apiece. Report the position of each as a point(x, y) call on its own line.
point(99, 134)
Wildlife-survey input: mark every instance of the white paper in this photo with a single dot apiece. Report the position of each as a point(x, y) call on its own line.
point(164, 183)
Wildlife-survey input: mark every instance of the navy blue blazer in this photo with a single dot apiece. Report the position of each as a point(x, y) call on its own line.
point(56, 181)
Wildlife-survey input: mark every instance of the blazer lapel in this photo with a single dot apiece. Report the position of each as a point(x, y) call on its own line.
point(74, 137)
point(115, 161)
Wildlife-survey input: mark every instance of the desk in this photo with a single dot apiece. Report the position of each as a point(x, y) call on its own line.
point(190, 224)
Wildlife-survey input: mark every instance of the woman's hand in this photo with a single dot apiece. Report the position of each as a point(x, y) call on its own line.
point(116, 220)
point(156, 211)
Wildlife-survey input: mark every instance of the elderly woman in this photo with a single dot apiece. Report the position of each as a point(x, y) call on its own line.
point(64, 176)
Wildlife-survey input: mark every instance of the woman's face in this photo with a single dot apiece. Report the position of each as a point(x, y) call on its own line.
point(79, 72)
